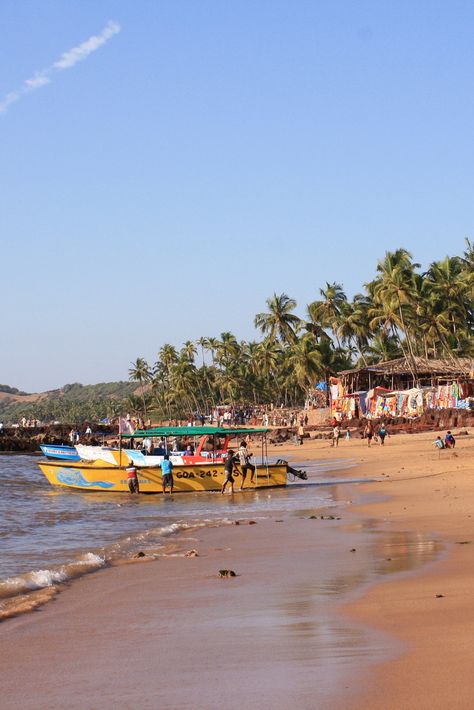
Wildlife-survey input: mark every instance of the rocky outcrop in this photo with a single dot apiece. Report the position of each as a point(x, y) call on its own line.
point(28, 439)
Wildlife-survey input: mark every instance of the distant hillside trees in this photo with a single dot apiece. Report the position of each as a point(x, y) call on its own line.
point(11, 390)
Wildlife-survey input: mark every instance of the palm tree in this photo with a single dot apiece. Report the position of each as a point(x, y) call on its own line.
point(203, 344)
point(141, 373)
point(468, 256)
point(168, 356)
point(304, 358)
point(182, 384)
point(327, 312)
point(249, 369)
point(189, 350)
point(383, 346)
point(228, 384)
point(212, 345)
point(228, 349)
point(447, 285)
point(279, 323)
point(354, 325)
point(393, 292)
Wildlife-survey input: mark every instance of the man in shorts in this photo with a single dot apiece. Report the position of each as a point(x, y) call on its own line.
point(228, 471)
point(132, 479)
point(369, 432)
point(245, 465)
point(167, 474)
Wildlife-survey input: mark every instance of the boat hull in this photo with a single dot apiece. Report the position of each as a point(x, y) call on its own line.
point(99, 476)
point(60, 451)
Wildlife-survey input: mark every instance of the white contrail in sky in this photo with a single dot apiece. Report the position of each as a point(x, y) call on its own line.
point(66, 61)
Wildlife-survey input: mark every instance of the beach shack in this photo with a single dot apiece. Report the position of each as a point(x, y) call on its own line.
point(402, 388)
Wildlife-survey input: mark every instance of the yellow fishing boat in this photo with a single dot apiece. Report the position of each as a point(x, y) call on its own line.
point(207, 476)
point(102, 477)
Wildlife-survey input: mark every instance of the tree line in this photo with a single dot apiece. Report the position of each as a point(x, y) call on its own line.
point(403, 311)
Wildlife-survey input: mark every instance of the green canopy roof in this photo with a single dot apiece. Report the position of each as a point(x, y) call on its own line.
point(195, 431)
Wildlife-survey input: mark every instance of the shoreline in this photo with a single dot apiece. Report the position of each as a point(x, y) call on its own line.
point(431, 613)
point(372, 611)
point(273, 632)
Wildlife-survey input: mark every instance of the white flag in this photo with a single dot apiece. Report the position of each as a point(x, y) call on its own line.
point(125, 426)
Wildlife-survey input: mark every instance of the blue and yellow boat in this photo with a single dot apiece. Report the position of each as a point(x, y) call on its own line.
point(101, 475)
point(60, 451)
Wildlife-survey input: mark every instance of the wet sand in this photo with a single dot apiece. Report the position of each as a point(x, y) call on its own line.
point(432, 613)
point(304, 623)
point(172, 634)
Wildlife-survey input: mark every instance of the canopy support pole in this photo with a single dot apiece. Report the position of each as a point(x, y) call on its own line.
point(266, 456)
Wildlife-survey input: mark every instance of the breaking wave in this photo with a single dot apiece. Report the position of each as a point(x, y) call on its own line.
point(25, 592)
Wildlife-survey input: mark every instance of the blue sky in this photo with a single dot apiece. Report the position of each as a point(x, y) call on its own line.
point(164, 184)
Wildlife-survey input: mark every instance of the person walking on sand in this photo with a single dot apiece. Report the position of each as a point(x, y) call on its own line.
point(245, 465)
point(167, 474)
point(369, 432)
point(382, 434)
point(336, 434)
point(228, 471)
point(132, 479)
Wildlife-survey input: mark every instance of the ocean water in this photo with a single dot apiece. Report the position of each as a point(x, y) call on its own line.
point(49, 536)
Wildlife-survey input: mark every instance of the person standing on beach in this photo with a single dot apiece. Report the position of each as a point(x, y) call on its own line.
point(369, 432)
point(300, 434)
point(336, 433)
point(228, 471)
point(132, 479)
point(245, 465)
point(167, 474)
point(382, 434)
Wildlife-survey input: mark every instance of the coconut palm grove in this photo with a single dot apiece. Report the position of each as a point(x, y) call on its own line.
point(403, 311)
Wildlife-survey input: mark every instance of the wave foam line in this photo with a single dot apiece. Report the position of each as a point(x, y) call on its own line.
point(42, 578)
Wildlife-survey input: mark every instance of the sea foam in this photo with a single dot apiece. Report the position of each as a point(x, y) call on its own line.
point(41, 578)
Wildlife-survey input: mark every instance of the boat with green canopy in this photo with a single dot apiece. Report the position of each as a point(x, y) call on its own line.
point(200, 467)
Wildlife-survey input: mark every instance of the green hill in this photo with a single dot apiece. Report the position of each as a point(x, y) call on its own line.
point(73, 403)
point(11, 390)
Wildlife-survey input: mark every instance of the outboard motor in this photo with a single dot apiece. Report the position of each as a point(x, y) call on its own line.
point(296, 473)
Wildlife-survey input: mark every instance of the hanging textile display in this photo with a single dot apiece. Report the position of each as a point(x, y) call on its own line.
point(380, 402)
point(446, 396)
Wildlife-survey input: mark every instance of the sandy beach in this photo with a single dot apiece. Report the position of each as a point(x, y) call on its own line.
point(170, 633)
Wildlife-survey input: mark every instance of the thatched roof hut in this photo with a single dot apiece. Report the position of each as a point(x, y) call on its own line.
point(404, 373)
